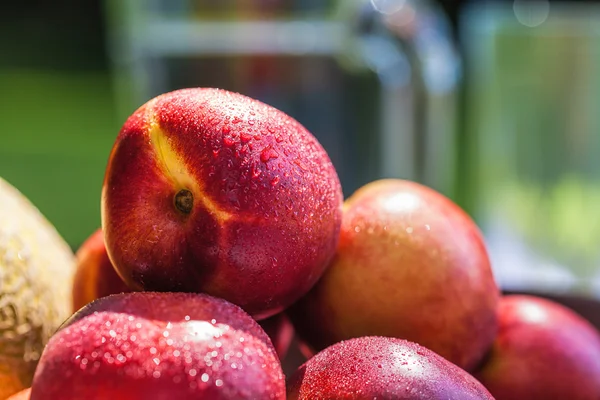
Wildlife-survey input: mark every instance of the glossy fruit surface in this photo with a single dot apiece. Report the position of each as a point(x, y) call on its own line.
point(212, 191)
point(410, 264)
point(382, 368)
point(159, 346)
point(543, 350)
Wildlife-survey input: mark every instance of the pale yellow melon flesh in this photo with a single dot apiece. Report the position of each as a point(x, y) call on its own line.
point(36, 275)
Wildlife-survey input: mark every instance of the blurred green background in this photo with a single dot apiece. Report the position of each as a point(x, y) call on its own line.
point(57, 112)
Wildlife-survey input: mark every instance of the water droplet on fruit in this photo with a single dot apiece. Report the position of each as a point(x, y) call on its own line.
point(251, 121)
point(427, 227)
point(357, 229)
point(193, 372)
point(236, 120)
point(226, 129)
point(156, 374)
point(204, 377)
point(278, 139)
point(274, 181)
point(215, 153)
point(219, 382)
point(274, 261)
point(409, 230)
point(268, 153)
point(187, 318)
point(245, 137)
point(255, 171)
point(227, 141)
point(257, 136)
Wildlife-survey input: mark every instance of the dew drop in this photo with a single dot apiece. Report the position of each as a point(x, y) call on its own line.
point(219, 382)
point(245, 137)
point(227, 141)
point(204, 377)
point(268, 153)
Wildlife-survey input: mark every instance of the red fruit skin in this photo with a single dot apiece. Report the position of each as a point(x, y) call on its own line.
point(267, 200)
point(22, 395)
point(543, 351)
point(383, 368)
point(410, 264)
point(159, 346)
point(95, 276)
point(280, 331)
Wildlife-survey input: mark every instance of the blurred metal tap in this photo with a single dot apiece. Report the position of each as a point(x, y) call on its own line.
point(410, 46)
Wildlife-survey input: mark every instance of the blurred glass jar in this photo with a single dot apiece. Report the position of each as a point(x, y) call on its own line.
point(534, 157)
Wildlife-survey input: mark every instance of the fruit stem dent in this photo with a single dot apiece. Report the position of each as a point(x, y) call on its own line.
point(184, 201)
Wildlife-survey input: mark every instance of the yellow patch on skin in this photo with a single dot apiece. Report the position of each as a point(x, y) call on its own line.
point(176, 171)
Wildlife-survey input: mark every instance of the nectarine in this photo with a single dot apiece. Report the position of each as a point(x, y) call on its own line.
point(148, 345)
point(382, 368)
point(410, 264)
point(212, 191)
point(543, 350)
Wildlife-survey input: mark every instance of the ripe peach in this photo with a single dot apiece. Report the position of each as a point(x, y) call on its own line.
point(212, 191)
point(382, 368)
point(410, 264)
point(95, 276)
point(148, 345)
point(543, 351)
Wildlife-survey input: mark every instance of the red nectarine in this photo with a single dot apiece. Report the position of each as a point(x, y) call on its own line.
point(543, 350)
point(148, 345)
point(410, 264)
point(212, 191)
point(382, 368)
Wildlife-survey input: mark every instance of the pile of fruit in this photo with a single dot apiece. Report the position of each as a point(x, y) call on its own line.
point(223, 220)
